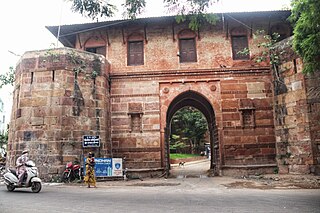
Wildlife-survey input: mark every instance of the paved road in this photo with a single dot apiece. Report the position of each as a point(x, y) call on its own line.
point(160, 195)
point(190, 169)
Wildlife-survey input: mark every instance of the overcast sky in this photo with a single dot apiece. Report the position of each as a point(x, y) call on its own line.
point(23, 25)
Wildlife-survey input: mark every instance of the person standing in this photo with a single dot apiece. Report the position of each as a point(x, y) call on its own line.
point(90, 178)
point(20, 164)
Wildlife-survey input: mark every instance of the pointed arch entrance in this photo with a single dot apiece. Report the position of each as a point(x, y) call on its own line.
point(198, 101)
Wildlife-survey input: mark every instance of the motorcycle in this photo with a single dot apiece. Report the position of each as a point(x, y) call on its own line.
point(72, 172)
point(30, 179)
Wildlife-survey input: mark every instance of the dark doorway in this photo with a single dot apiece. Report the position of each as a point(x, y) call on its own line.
point(191, 99)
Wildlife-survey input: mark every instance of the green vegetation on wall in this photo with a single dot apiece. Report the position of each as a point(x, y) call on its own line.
point(306, 35)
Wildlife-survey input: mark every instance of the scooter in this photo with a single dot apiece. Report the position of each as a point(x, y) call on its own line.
point(31, 178)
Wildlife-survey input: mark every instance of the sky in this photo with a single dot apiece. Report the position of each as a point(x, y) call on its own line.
point(23, 26)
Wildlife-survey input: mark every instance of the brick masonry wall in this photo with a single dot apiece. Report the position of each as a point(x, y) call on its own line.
point(53, 107)
point(253, 144)
point(313, 100)
point(51, 116)
point(237, 84)
point(297, 113)
point(161, 45)
point(140, 144)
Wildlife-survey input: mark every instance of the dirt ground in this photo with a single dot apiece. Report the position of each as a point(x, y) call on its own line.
point(276, 182)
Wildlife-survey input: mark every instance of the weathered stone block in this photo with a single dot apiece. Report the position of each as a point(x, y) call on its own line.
point(299, 169)
point(266, 138)
point(151, 106)
point(39, 102)
point(283, 169)
point(233, 87)
point(257, 95)
point(35, 121)
point(227, 104)
point(230, 116)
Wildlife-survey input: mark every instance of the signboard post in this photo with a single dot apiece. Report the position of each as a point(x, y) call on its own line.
point(91, 141)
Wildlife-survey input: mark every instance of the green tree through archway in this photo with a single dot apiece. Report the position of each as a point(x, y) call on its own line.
point(188, 130)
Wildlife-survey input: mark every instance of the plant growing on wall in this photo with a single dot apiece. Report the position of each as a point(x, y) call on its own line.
point(77, 61)
point(306, 39)
point(269, 52)
point(52, 55)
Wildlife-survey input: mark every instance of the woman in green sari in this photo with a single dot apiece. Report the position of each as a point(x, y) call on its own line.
point(90, 178)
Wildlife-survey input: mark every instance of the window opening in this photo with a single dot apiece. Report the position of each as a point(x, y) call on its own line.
point(239, 43)
point(187, 48)
point(135, 53)
point(98, 50)
point(31, 81)
point(53, 75)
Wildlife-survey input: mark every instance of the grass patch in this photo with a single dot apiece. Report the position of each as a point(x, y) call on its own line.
point(179, 156)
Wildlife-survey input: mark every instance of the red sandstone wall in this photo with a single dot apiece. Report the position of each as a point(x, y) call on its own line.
point(140, 147)
point(161, 46)
point(240, 85)
point(254, 144)
point(313, 99)
point(296, 115)
point(53, 108)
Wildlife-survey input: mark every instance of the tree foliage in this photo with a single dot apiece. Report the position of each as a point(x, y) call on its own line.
point(306, 39)
point(4, 138)
point(188, 128)
point(7, 78)
point(93, 8)
point(194, 11)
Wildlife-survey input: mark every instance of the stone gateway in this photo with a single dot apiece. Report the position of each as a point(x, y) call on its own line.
point(124, 80)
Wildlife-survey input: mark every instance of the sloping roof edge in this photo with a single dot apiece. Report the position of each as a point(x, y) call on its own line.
point(67, 32)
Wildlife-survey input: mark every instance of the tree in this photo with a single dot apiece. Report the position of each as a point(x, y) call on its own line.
point(188, 126)
point(7, 78)
point(3, 138)
point(306, 38)
point(194, 11)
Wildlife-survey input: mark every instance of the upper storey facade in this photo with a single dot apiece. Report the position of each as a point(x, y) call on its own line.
point(161, 44)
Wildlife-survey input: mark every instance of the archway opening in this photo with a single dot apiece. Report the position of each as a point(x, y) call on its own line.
point(191, 103)
point(189, 140)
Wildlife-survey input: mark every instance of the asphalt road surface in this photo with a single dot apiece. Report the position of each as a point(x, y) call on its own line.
point(159, 195)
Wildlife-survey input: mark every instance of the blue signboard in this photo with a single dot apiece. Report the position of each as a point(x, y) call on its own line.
point(107, 167)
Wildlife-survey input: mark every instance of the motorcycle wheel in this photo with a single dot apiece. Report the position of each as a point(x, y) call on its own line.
point(36, 187)
point(77, 175)
point(65, 177)
point(10, 188)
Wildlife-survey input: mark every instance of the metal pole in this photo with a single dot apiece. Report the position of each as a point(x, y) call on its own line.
point(59, 28)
